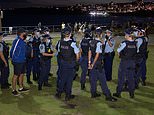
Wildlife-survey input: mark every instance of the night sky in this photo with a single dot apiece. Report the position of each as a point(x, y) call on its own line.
point(33, 3)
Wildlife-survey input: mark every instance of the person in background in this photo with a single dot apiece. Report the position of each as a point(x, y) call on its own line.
point(18, 56)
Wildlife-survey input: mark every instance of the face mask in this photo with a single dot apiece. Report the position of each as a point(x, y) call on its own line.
point(47, 32)
point(24, 36)
point(48, 41)
point(136, 34)
point(38, 34)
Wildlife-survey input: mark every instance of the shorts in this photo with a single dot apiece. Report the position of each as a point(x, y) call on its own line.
point(19, 68)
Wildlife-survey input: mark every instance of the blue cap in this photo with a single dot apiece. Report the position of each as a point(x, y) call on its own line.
point(66, 31)
point(129, 31)
point(88, 31)
point(36, 30)
point(140, 29)
point(98, 31)
point(46, 29)
point(108, 31)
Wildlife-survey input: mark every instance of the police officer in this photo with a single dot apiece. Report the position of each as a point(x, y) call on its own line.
point(141, 57)
point(29, 60)
point(127, 52)
point(36, 58)
point(84, 49)
point(18, 56)
point(46, 51)
point(4, 65)
point(69, 54)
point(47, 33)
point(109, 53)
point(95, 64)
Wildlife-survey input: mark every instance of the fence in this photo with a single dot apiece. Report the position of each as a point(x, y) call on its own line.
point(13, 30)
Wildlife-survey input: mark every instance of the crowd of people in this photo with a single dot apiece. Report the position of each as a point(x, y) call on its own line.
point(94, 54)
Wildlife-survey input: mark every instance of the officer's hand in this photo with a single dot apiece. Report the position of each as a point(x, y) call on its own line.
point(89, 66)
point(92, 65)
point(6, 65)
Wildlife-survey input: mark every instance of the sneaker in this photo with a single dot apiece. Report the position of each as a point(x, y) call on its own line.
point(15, 93)
point(23, 90)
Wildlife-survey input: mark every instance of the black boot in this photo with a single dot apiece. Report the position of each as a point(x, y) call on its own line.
point(143, 83)
point(46, 84)
point(4, 87)
point(82, 86)
point(117, 95)
point(110, 98)
point(131, 94)
point(68, 97)
point(29, 82)
point(58, 95)
point(94, 95)
point(50, 74)
point(39, 87)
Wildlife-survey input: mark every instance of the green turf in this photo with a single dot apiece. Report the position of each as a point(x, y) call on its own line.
point(44, 103)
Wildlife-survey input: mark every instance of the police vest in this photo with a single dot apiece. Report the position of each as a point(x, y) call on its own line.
point(85, 46)
point(47, 50)
point(36, 44)
point(66, 51)
point(29, 50)
point(5, 52)
point(129, 51)
point(143, 47)
point(93, 46)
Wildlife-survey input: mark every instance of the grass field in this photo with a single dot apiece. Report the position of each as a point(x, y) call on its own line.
point(44, 103)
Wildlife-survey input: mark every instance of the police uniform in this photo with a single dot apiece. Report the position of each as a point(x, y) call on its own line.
point(36, 59)
point(4, 70)
point(58, 62)
point(45, 63)
point(97, 73)
point(126, 71)
point(84, 45)
point(29, 60)
point(108, 56)
point(67, 53)
point(141, 60)
point(47, 34)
